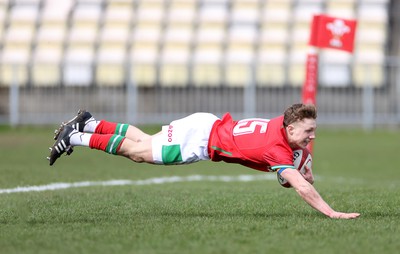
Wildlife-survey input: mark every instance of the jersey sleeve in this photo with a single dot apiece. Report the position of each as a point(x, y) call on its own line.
point(279, 158)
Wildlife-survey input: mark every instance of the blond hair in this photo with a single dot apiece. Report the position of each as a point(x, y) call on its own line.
point(298, 112)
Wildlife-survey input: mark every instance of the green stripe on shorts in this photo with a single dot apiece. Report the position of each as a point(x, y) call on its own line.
point(171, 154)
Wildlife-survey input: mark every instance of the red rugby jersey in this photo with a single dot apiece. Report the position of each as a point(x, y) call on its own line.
point(256, 143)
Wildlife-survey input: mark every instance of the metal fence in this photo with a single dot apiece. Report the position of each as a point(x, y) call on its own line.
point(154, 61)
point(364, 106)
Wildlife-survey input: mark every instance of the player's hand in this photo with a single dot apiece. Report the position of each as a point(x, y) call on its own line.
point(339, 215)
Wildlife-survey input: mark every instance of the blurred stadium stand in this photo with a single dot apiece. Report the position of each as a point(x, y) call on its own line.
point(183, 56)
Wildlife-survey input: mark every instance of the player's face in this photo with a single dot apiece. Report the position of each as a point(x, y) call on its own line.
point(301, 133)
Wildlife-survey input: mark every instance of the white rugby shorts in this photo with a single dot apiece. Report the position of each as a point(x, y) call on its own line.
point(184, 140)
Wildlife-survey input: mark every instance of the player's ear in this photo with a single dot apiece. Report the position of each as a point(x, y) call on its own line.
point(290, 129)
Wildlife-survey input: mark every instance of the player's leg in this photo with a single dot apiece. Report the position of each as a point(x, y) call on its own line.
point(183, 141)
point(85, 122)
point(129, 131)
point(138, 151)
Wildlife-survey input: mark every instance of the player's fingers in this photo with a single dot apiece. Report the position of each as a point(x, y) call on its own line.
point(346, 216)
point(308, 175)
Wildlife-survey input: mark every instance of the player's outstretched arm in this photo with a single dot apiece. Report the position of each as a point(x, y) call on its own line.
point(312, 197)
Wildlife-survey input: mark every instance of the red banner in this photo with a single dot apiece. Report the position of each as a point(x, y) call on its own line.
point(326, 32)
point(332, 32)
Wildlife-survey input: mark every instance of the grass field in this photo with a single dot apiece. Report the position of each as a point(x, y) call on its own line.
point(356, 171)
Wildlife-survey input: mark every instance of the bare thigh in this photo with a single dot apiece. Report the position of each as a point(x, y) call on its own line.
point(135, 134)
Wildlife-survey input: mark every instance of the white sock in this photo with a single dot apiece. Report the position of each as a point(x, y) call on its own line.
point(80, 139)
point(91, 125)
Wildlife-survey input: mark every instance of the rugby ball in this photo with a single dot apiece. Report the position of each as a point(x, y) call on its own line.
point(301, 159)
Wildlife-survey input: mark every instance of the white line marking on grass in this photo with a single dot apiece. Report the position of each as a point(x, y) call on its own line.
point(150, 181)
